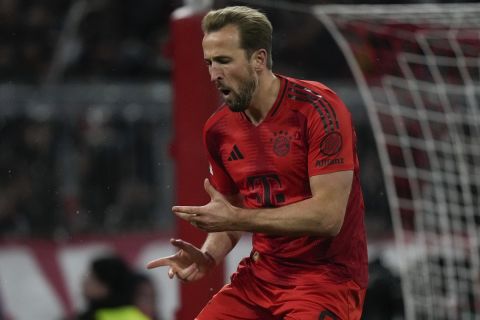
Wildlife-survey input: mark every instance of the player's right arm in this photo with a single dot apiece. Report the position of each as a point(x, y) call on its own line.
point(219, 244)
point(190, 263)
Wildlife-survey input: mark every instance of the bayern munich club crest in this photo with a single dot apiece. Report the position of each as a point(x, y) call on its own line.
point(331, 144)
point(281, 143)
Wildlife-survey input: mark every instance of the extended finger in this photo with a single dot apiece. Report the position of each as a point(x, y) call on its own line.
point(188, 210)
point(166, 261)
point(185, 216)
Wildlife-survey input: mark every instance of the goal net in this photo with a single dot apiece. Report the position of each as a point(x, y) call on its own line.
point(418, 70)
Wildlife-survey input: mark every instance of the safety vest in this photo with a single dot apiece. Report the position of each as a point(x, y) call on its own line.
point(120, 313)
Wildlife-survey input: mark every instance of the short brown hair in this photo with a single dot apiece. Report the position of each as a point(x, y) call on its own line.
point(254, 27)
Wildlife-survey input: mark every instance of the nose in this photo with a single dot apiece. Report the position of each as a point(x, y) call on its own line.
point(215, 73)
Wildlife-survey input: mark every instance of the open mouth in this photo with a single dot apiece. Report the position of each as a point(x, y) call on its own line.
point(225, 92)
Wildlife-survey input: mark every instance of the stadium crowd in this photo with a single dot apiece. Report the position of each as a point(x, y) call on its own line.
point(110, 163)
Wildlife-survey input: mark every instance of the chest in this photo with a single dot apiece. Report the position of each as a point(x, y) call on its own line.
point(278, 147)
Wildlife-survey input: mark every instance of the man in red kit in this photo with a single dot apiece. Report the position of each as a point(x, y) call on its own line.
point(283, 166)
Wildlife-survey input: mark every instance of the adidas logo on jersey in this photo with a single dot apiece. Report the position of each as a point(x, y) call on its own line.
point(235, 154)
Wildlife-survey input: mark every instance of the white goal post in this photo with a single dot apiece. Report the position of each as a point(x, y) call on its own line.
point(418, 70)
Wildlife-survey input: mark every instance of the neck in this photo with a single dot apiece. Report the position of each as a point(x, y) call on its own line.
point(264, 98)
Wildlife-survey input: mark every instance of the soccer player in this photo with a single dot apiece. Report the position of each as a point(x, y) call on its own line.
point(283, 165)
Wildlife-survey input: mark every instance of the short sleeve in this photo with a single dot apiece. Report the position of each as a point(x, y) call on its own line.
point(218, 176)
point(330, 136)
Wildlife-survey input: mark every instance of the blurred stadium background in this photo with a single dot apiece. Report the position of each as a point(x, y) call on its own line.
point(101, 108)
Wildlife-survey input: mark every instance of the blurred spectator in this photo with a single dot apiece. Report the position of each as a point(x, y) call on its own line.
point(96, 176)
point(123, 40)
point(108, 289)
point(146, 294)
point(28, 184)
point(99, 150)
point(116, 39)
point(116, 172)
point(28, 32)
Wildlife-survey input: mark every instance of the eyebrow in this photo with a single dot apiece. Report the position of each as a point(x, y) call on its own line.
point(218, 58)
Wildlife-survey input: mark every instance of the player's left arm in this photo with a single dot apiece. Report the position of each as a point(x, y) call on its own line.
point(320, 215)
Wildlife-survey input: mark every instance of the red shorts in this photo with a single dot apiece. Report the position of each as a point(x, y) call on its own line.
point(247, 297)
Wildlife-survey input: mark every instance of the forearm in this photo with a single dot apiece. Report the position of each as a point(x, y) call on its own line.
point(219, 244)
point(301, 218)
point(320, 215)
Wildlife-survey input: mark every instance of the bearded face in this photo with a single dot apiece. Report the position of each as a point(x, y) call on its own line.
point(230, 67)
point(239, 100)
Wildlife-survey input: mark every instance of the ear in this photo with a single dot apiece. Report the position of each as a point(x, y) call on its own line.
point(260, 59)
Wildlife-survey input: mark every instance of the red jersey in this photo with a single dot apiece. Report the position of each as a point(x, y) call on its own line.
point(307, 132)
